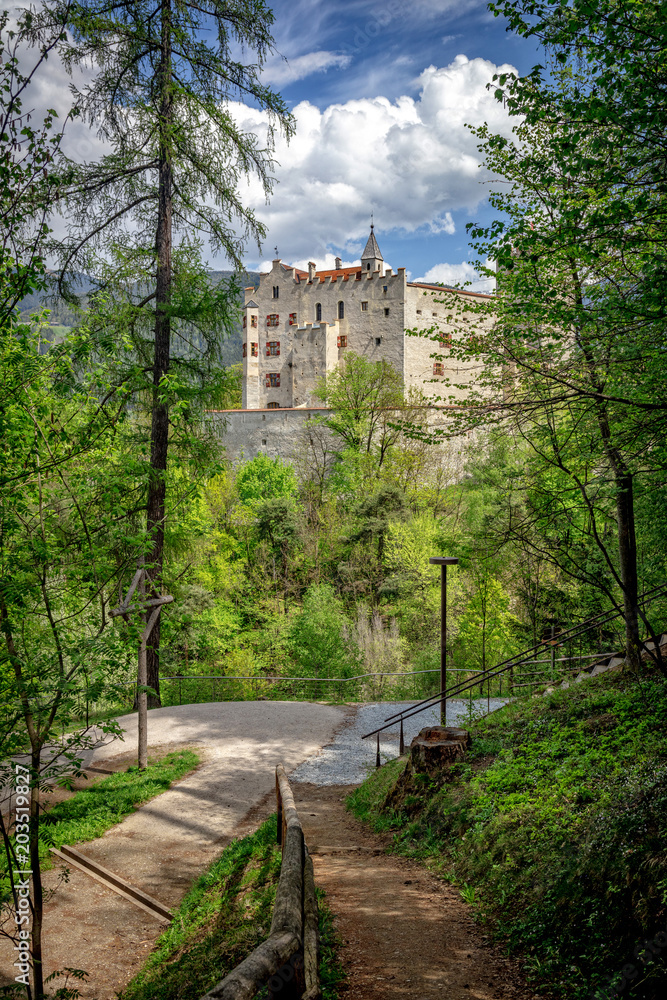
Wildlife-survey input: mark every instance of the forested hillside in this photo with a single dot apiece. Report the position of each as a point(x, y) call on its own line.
point(63, 316)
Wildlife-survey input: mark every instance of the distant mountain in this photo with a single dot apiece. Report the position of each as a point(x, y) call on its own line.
point(62, 317)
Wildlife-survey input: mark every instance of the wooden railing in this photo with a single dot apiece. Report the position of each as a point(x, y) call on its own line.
point(288, 960)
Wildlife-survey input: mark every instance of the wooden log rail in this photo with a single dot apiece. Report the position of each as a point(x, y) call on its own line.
point(288, 960)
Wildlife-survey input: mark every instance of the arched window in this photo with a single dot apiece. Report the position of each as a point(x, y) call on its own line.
point(318, 312)
point(341, 310)
point(273, 406)
point(368, 267)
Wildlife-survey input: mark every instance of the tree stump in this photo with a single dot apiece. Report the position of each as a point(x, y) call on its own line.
point(436, 748)
point(432, 753)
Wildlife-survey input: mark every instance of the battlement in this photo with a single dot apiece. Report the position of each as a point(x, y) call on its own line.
point(298, 324)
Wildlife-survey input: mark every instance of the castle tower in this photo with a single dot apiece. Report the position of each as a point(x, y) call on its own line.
point(371, 259)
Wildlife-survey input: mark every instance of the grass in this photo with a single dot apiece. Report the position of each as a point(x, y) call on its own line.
point(224, 916)
point(555, 828)
point(92, 811)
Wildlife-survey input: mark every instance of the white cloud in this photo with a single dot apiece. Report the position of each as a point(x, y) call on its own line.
point(458, 274)
point(412, 161)
point(279, 72)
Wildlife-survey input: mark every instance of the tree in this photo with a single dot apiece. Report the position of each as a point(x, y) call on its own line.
point(264, 478)
point(318, 636)
point(578, 347)
point(362, 394)
point(26, 177)
point(60, 536)
point(160, 101)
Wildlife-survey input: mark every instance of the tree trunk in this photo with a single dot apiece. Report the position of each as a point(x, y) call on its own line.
point(627, 542)
point(627, 550)
point(161, 361)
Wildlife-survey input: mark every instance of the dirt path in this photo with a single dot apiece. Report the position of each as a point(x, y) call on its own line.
point(405, 933)
point(163, 846)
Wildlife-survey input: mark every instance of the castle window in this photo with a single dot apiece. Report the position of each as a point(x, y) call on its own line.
point(419, 312)
point(276, 291)
point(318, 312)
point(245, 350)
point(386, 312)
point(445, 339)
point(253, 350)
point(272, 406)
point(245, 322)
point(341, 310)
point(292, 319)
point(438, 368)
point(272, 348)
point(342, 341)
point(378, 341)
point(253, 322)
point(364, 307)
point(368, 267)
point(273, 380)
point(385, 289)
point(272, 319)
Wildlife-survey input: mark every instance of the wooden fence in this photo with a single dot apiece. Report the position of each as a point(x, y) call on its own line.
point(288, 960)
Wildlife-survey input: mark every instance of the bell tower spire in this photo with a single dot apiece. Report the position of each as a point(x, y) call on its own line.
point(371, 259)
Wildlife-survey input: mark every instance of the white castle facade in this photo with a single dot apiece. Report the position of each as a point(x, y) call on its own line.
point(298, 325)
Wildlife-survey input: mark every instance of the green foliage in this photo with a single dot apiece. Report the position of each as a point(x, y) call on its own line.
point(361, 392)
point(487, 628)
point(556, 824)
point(264, 478)
point(319, 636)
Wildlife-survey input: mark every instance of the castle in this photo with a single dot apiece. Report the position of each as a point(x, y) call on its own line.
point(297, 326)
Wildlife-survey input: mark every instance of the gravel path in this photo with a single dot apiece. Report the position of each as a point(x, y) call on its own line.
point(347, 760)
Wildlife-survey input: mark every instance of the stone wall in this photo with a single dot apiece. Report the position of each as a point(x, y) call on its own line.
point(432, 311)
point(286, 433)
point(248, 433)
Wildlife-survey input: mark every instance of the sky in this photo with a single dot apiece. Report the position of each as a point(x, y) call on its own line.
point(382, 95)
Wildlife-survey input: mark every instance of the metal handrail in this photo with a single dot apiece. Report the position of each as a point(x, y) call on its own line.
point(294, 677)
point(514, 661)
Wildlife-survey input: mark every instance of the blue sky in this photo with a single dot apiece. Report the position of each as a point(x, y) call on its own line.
point(382, 95)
